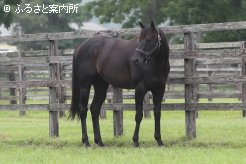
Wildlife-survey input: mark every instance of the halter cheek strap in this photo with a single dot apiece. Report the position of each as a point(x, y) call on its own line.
point(148, 54)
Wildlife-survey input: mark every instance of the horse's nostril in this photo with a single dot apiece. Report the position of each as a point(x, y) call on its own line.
point(135, 61)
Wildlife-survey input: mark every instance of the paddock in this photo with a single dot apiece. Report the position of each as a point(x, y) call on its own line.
point(198, 71)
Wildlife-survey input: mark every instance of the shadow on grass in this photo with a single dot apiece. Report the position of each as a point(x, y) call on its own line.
point(182, 142)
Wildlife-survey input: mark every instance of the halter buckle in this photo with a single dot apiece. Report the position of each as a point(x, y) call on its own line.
point(146, 59)
point(159, 37)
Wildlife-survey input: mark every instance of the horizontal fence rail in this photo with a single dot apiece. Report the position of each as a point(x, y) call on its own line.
point(115, 106)
point(123, 32)
point(198, 70)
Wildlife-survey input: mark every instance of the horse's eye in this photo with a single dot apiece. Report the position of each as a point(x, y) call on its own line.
point(141, 37)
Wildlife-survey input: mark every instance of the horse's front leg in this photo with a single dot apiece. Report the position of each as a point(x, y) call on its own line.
point(139, 97)
point(157, 99)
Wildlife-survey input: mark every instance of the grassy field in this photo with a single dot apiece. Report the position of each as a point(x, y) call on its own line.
point(221, 138)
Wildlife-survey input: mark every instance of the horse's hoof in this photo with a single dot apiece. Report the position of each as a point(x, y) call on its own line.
point(136, 144)
point(160, 144)
point(86, 144)
point(99, 143)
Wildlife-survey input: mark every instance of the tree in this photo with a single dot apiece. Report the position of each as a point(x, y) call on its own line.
point(128, 12)
point(6, 18)
point(212, 11)
point(178, 11)
point(41, 22)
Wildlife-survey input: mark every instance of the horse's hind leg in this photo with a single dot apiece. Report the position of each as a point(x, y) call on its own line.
point(84, 97)
point(100, 87)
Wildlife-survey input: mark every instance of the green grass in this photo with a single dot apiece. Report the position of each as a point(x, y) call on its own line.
point(221, 138)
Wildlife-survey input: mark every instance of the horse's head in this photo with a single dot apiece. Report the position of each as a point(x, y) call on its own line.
point(151, 41)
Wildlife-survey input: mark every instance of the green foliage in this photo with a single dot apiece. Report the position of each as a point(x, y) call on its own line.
point(6, 18)
point(178, 11)
point(213, 11)
point(128, 12)
point(49, 22)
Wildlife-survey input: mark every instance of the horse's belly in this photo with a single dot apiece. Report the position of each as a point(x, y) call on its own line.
point(115, 71)
point(119, 80)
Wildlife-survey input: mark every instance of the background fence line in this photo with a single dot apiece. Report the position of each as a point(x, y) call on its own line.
point(192, 65)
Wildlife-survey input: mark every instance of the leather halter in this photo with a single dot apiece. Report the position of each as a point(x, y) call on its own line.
point(148, 54)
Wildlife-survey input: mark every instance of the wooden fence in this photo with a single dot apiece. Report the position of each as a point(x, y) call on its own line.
point(192, 65)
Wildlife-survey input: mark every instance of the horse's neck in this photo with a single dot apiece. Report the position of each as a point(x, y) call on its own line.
point(134, 41)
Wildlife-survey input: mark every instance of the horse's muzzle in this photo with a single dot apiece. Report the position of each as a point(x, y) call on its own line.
point(135, 61)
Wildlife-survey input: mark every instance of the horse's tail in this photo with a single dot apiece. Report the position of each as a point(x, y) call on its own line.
point(74, 108)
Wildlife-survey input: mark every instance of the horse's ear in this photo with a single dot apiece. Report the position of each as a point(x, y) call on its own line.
point(141, 24)
point(152, 25)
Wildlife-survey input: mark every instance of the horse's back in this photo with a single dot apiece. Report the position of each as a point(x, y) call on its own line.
point(107, 57)
point(103, 45)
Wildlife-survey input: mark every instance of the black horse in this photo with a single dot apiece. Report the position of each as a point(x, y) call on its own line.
point(141, 64)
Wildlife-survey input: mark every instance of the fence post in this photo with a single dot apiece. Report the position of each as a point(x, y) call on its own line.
point(243, 70)
point(61, 90)
point(210, 88)
point(118, 113)
point(103, 114)
point(53, 96)
point(190, 91)
point(196, 86)
point(147, 113)
point(12, 91)
point(22, 91)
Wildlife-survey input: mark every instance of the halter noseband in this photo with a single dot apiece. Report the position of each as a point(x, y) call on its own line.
point(148, 54)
